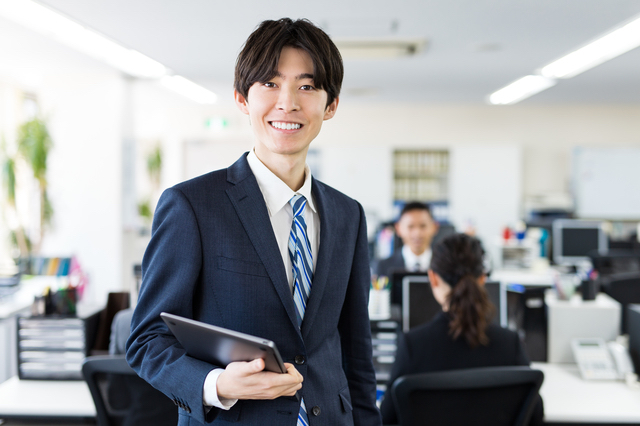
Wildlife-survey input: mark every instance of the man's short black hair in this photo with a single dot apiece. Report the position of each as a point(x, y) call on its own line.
point(416, 205)
point(258, 60)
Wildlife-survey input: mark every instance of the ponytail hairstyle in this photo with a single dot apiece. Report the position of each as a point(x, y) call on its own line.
point(458, 260)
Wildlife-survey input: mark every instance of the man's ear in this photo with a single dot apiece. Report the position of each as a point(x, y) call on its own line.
point(330, 111)
point(241, 102)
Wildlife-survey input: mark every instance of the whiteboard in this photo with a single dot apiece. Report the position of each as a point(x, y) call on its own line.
point(606, 183)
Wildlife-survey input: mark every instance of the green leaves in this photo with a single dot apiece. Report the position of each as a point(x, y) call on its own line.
point(34, 144)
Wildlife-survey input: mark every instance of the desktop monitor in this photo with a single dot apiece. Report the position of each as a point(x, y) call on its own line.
point(396, 284)
point(574, 239)
point(419, 306)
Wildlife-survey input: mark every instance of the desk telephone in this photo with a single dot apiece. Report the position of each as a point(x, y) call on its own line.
point(599, 360)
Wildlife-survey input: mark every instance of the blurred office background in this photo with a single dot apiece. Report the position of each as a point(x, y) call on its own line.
point(414, 122)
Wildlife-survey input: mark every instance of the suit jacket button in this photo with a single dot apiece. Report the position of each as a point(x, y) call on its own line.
point(299, 359)
point(315, 411)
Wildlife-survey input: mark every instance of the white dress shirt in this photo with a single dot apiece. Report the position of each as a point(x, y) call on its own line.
point(276, 195)
point(416, 263)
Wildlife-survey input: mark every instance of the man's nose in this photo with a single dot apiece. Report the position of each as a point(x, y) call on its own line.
point(288, 100)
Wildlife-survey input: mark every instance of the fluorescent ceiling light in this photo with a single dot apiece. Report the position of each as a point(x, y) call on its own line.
point(607, 47)
point(189, 89)
point(62, 29)
point(521, 89)
point(379, 48)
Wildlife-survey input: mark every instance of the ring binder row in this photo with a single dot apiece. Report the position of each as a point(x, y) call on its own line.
point(59, 266)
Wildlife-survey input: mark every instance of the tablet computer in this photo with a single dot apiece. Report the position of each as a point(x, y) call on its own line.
point(221, 346)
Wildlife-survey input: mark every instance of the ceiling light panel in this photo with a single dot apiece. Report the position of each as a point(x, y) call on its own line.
point(521, 89)
point(379, 48)
point(607, 47)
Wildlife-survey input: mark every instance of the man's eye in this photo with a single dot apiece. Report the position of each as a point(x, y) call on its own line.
point(307, 87)
point(269, 84)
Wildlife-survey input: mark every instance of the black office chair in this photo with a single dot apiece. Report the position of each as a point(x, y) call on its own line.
point(491, 396)
point(124, 399)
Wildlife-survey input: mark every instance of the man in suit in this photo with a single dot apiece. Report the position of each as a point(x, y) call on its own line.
point(265, 249)
point(416, 228)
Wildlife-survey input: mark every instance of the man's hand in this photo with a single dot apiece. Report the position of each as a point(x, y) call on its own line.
point(247, 380)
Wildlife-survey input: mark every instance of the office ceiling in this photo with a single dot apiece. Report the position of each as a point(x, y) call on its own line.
point(474, 46)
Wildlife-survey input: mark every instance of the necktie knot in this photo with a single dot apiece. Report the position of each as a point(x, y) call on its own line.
point(298, 203)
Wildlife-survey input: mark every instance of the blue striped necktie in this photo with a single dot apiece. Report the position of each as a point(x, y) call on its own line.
point(302, 262)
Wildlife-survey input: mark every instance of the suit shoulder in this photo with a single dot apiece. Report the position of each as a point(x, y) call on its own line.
point(497, 332)
point(207, 179)
point(503, 338)
point(208, 183)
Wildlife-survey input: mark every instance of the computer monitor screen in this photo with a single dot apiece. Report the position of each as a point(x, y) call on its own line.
point(396, 284)
point(419, 306)
point(574, 239)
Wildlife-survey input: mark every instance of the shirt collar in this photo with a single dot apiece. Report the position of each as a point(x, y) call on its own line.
point(411, 258)
point(276, 193)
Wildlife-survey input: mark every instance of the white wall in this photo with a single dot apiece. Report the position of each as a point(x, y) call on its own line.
point(545, 134)
point(85, 173)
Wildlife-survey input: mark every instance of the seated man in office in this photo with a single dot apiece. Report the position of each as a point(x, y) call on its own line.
point(416, 228)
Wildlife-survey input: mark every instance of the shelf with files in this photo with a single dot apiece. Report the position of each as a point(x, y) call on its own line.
point(53, 348)
point(421, 174)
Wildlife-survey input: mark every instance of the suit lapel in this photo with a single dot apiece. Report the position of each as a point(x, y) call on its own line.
point(328, 227)
point(248, 201)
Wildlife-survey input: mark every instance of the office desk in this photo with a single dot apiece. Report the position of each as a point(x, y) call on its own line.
point(570, 399)
point(39, 399)
point(524, 277)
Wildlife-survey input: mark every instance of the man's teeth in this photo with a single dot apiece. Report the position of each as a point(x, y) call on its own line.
point(285, 126)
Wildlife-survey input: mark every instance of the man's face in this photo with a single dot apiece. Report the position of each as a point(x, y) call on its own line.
point(417, 228)
point(286, 112)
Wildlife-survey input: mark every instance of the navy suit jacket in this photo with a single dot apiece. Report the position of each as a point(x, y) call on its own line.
point(394, 263)
point(213, 257)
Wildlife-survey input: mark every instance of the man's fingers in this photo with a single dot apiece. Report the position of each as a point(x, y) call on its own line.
point(256, 365)
point(291, 370)
point(248, 380)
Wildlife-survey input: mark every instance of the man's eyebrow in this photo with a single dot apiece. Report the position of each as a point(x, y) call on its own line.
point(302, 76)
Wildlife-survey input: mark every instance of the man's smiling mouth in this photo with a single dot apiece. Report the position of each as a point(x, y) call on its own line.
point(285, 126)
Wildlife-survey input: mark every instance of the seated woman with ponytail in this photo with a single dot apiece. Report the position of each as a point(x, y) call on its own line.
point(461, 336)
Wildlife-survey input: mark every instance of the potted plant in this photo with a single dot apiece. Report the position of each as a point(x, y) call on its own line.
point(33, 146)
